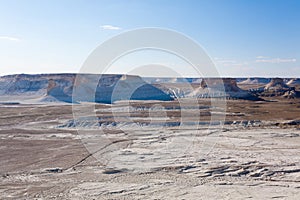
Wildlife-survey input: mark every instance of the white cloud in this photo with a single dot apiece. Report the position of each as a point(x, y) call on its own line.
point(230, 62)
point(261, 57)
point(10, 38)
point(276, 60)
point(225, 61)
point(110, 27)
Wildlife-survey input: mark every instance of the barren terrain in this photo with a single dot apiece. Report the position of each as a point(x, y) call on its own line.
point(255, 155)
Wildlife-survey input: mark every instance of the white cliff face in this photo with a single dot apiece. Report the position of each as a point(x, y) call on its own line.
point(14, 85)
point(109, 88)
point(129, 87)
point(23, 84)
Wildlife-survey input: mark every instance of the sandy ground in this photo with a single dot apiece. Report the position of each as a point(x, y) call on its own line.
point(255, 155)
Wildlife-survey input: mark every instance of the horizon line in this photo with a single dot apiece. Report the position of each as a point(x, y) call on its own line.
point(76, 73)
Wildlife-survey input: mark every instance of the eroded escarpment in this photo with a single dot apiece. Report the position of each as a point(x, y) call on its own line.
point(109, 88)
point(79, 87)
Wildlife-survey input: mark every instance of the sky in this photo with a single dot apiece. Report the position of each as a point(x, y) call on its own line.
point(243, 37)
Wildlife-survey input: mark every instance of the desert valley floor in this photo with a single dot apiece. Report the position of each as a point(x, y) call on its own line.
point(255, 155)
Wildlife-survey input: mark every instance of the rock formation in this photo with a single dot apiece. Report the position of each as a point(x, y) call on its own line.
point(222, 88)
point(293, 82)
point(279, 87)
point(59, 87)
point(277, 84)
point(112, 87)
point(292, 94)
point(254, 81)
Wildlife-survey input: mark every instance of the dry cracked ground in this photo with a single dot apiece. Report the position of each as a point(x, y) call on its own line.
point(46, 154)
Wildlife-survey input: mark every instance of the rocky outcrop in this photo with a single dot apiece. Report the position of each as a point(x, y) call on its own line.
point(59, 87)
point(26, 84)
point(276, 87)
point(292, 94)
point(171, 80)
point(229, 84)
point(111, 88)
point(222, 88)
point(277, 84)
point(254, 81)
point(293, 82)
point(127, 87)
point(208, 88)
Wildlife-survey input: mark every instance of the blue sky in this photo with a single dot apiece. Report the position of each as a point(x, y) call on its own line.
point(243, 37)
